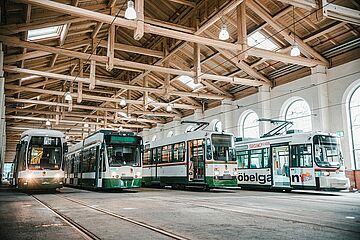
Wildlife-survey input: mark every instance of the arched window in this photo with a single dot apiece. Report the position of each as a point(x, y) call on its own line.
point(249, 127)
point(355, 125)
point(218, 126)
point(299, 113)
point(153, 138)
point(170, 134)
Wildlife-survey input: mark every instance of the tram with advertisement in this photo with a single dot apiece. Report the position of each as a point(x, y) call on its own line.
point(195, 159)
point(291, 161)
point(106, 159)
point(39, 159)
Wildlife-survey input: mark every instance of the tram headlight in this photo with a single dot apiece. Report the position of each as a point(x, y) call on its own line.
point(138, 174)
point(29, 176)
point(216, 172)
point(326, 173)
point(57, 176)
point(113, 174)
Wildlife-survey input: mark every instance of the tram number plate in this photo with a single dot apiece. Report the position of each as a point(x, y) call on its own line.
point(226, 172)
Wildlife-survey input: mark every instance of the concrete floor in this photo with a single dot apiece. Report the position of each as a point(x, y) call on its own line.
point(219, 214)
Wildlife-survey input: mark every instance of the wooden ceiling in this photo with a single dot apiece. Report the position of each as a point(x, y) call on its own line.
point(100, 57)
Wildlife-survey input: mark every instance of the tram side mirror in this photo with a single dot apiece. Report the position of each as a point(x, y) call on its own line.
point(66, 148)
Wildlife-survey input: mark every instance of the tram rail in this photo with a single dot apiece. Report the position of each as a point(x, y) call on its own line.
point(89, 235)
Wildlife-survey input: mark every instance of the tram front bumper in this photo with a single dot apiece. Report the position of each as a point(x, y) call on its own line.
point(41, 183)
point(123, 182)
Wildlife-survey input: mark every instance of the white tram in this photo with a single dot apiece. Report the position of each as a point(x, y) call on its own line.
point(106, 159)
point(199, 158)
point(39, 158)
point(291, 161)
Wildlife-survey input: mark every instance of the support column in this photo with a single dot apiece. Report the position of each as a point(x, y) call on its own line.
point(2, 114)
point(264, 104)
point(226, 117)
point(320, 100)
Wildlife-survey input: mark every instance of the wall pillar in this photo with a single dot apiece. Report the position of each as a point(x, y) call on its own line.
point(320, 99)
point(2, 114)
point(264, 104)
point(226, 117)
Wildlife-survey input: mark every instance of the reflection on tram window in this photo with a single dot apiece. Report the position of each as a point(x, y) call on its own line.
point(122, 155)
point(301, 155)
point(222, 147)
point(44, 153)
point(327, 151)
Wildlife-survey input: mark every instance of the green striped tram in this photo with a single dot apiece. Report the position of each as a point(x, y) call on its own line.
point(291, 161)
point(198, 159)
point(39, 158)
point(105, 160)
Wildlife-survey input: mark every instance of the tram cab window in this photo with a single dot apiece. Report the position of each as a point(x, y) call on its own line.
point(301, 155)
point(178, 152)
point(242, 157)
point(22, 156)
point(45, 153)
point(222, 147)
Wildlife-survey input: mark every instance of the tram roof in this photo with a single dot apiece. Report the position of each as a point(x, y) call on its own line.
point(184, 137)
point(43, 132)
point(283, 137)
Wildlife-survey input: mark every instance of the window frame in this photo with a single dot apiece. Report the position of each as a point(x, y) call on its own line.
point(353, 149)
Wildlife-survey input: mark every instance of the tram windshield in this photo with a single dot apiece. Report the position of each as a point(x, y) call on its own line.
point(222, 147)
point(45, 153)
point(123, 150)
point(327, 151)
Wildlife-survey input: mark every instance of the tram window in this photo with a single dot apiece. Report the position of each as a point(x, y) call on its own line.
point(301, 155)
point(266, 158)
point(242, 158)
point(256, 158)
point(22, 162)
point(158, 155)
point(89, 160)
point(179, 152)
point(166, 154)
point(147, 155)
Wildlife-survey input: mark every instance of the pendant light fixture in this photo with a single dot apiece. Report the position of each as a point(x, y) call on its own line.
point(295, 51)
point(68, 96)
point(168, 108)
point(122, 102)
point(130, 12)
point(48, 123)
point(224, 34)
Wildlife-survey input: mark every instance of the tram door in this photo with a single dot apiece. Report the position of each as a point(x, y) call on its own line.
point(280, 166)
point(196, 163)
point(156, 157)
point(76, 168)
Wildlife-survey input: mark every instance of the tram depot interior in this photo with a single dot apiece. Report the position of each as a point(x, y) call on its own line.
point(158, 68)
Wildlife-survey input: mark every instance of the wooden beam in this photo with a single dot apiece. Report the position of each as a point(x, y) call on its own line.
point(110, 48)
point(134, 49)
point(139, 30)
point(305, 4)
point(135, 65)
point(118, 85)
point(86, 107)
point(184, 2)
point(122, 22)
point(80, 84)
point(241, 29)
point(286, 33)
point(92, 75)
point(197, 64)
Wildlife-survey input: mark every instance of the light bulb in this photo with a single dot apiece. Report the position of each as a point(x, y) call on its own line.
point(47, 123)
point(68, 96)
point(122, 102)
point(295, 51)
point(224, 34)
point(130, 12)
point(86, 125)
point(67, 137)
point(168, 108)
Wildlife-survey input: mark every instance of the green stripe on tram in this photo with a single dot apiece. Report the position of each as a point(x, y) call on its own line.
point(118, 183)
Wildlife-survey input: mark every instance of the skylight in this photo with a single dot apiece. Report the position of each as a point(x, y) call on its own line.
point(189, 81)
point(42, 33)
point(260, 41)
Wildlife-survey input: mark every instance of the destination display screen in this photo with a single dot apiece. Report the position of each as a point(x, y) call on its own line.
point(123, 139)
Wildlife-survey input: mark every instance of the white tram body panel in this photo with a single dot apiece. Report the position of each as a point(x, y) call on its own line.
point(290, 162)
point(203, 171)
